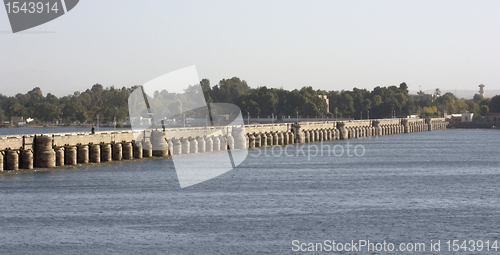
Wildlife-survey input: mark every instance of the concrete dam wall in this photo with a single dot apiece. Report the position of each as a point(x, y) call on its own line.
point(56, 150)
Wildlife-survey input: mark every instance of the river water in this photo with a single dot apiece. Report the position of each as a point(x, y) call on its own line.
point(407, 188)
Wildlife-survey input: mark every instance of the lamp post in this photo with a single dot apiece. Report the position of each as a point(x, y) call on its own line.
point(248, 117)
point(272, 115)
point(361, 115)
point(114, 124)
point(297, 111)
point(368, 114)
point(97, 122)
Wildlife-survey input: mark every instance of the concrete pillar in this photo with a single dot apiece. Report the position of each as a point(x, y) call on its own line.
point(263, 139)
point(308, 137)
point(202, 145)
point(376, 127)
point(343, 132)
point(117, 151)
point(286, 138)
point(59, 155)
point(298, 133)
point(159, 144)
point(238, 134)
point(82, 154)
point(177, 150)
point(95, 153)
point(209, 144)
point(257, 139)
point(269, 139)
point(275, 138)
point(279, 140)
point(251, 141)
point(223, 143)
point(185, 145)
point(406, 127)
point(137, 149)
point(12, 160)
point(147, 149)
point(230, 142)
point(45, 154)
point(70, 155)
point(194, 146)
point(216, 143)
point(26, 161)
point(2, 155)
point(170, 146)
point(127, 150)
point(291, 138)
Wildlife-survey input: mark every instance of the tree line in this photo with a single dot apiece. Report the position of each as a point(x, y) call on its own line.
point(381, 102)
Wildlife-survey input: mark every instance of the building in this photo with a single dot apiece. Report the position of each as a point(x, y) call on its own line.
point(494, 118)
point(467, 116)
point(16, 120)
point(327, 103)
point(454, 118)
point(481, 90)
point(457, 118)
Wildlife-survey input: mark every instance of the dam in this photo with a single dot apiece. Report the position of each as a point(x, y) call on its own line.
point(72, 149)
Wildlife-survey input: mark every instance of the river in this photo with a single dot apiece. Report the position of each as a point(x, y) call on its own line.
point(406, 188)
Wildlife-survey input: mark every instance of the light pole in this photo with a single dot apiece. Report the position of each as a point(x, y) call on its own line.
point(361, 115)
point(368, 114)
point(248, 117)
point(97, 122)
point(272, 115)
point(184, 118)
point(114, 123)
point(297, 111)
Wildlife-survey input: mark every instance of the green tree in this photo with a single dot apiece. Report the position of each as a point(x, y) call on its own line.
point(495, 104)
point(484, 110)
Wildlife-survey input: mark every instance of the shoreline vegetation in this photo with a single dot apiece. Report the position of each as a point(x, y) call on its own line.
point(105, 105)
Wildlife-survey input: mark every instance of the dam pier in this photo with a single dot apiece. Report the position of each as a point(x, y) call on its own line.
point(71, 149)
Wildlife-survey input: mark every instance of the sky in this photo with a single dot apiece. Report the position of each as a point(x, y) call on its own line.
point(329, 45)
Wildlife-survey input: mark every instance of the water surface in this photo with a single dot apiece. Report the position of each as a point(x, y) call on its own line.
point(405, 188)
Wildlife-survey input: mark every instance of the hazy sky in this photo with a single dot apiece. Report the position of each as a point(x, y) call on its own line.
point(331, 45)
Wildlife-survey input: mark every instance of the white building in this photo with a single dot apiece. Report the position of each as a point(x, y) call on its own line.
point(467, 116)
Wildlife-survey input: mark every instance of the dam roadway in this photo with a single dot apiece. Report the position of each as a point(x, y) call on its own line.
point(60, 149)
